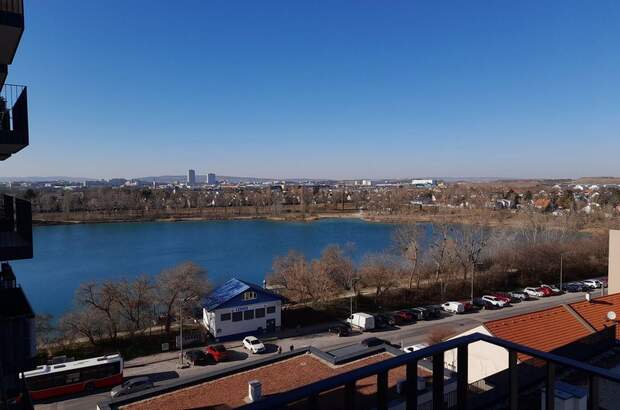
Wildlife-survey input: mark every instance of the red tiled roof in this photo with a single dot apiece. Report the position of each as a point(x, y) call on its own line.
point(544, 330)
point(595, 311)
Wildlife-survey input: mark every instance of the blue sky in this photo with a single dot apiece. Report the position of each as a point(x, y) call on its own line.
point(333, 88)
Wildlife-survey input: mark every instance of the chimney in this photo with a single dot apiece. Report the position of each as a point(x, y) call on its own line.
point(254, 391)
point(588, 297)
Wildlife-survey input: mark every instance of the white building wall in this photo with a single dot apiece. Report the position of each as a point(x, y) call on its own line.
point(212, 319)
point(484, 358)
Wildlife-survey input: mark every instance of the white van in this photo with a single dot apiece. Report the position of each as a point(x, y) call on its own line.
point(362, 321)
point(453, 307)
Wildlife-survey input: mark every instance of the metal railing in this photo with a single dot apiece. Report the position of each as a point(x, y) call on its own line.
point(310, 393)
point(12, 6)
point(15, 228)
point(12, 104)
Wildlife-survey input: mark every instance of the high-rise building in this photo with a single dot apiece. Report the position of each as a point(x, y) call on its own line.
point(191, 177)
point(17, 336)
point(211, 179)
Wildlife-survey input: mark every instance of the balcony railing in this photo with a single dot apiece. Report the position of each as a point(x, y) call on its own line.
point(15, 229)
point(14, 134)
point(12, 6)
point(519, 383)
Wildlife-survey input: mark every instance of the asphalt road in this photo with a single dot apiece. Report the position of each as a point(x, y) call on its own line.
point(165, 371)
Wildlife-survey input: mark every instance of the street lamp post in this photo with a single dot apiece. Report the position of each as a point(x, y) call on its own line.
point(181, 364)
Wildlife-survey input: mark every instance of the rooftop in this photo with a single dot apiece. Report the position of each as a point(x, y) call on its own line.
point(229, 392)
point(595, 311)
point(544, 330)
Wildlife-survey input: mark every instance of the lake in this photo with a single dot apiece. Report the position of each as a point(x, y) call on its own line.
point(67, 255)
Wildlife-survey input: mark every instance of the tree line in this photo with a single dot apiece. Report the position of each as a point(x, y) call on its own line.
point(106, 310)
point(441, 260)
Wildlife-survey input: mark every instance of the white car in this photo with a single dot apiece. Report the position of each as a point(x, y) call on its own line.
point(254, 345)
point(415, 348)
point(592, 283)
point(537, 293)
point(494, 301)
point(453, 307)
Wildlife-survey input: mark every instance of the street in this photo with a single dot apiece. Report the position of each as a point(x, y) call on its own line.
point(162, 367)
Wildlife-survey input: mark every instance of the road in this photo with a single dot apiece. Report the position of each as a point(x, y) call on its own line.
point(162, 368)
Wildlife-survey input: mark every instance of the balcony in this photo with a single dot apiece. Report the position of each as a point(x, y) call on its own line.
point(530, 374)
point(13, 120)
point(11, 28)
point(15, 229)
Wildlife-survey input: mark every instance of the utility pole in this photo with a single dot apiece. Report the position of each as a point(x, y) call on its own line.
point(561, 268)
point(472, 285)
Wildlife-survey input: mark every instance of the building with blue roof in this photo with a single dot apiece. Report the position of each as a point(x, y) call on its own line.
point(239, 308)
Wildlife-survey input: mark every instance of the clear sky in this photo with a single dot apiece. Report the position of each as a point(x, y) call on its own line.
point(335, 88)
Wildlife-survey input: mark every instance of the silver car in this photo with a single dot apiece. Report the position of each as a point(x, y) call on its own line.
point(132, 386)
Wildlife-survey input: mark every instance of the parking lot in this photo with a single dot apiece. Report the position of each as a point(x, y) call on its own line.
point(162, 368)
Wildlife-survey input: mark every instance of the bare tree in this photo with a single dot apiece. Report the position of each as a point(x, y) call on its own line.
point(84, 322)
point(408, 241)
point(135, 301)
point(45, 330)
point(184, 282)
point(100, 298)
point(303, 281)
point(381, 272)
point(338, 265)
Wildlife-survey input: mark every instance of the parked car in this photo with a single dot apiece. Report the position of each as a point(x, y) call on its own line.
point(373, 341)
point(469, 307)
point(382, 321)
point(196, 357)
point(482, 303)
point(517, 294)
point(554, 289)
point(340, 330)
point(534, 292)
point(217, 352)
point(453, 307)
point(593, 283)
point(434, 311)
point(494, 301)
point(415, 348)
point(254, 345)
point(419, 313)
point(546, 291)
point(573, 287)
point(362, 321)
point(504, 298)
point(405, 316)
point(132, 386)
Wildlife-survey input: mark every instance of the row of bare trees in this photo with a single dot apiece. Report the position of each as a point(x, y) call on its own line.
point(448, 259)
point(104, 311)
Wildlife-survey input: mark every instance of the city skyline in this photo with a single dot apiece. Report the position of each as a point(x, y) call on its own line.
point(524, 90)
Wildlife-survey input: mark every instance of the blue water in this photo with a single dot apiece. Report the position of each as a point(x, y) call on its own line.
point(68, 255)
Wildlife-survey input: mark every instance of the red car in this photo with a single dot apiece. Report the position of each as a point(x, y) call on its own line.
point(218, 352)
point(503, 297)
point(404, 316)
point(546, 291)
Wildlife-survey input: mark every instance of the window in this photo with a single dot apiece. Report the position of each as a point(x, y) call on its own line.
point(260, 312)
point(225, 316)
point(237, 316)
point(271, 309)
point(73, 378)
point(248, 315)
point(249, 295)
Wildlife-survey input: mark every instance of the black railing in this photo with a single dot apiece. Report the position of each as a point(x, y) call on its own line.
point(347, 381)
point(12, 6)
point(15, 229)
point(14, 132)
